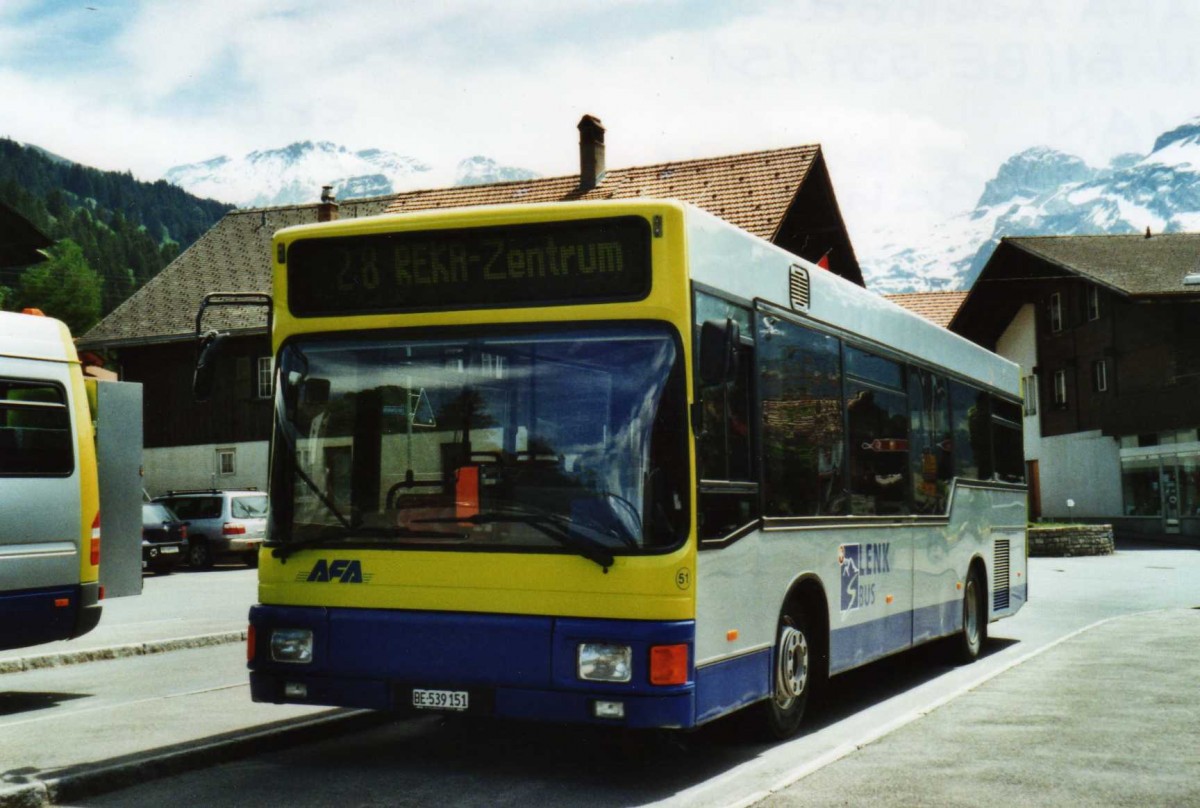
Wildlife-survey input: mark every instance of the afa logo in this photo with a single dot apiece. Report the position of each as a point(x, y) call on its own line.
point(860, 563)
point(338, 571)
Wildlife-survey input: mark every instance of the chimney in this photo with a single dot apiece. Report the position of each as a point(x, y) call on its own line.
point(591, 152)
point(327, 211)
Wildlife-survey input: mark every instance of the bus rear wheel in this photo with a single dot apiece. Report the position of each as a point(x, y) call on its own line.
point(973, 635)
point(795, 673)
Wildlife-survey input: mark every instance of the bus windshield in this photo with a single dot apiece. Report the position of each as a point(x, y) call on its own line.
point(552, 441)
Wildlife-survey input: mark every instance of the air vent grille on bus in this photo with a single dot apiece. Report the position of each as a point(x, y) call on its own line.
point(798, 287)
point(1000, 583)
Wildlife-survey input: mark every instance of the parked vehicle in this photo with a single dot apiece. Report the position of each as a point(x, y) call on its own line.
point(164, 538)
point(220, 524)
point(49, 496)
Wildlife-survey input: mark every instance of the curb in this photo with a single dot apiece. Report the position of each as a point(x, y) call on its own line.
point(72, 785)
point(30, 663)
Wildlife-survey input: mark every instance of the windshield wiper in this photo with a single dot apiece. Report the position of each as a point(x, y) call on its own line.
point(552, 525)
point(288, 433)
point(333, 534)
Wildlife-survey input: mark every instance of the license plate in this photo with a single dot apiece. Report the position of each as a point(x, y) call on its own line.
point(168, 550)
point(440, 699)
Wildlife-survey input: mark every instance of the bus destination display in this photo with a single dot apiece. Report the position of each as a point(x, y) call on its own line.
point(582, 261)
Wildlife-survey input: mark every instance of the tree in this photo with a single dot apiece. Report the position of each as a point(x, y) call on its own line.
point(64, 286)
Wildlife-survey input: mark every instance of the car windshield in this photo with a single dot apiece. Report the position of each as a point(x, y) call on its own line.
point(572, 440)
point(154, 514)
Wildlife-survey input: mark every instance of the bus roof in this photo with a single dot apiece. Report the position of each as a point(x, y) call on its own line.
point(719, 255)
point(30, 336)
point(717, 251)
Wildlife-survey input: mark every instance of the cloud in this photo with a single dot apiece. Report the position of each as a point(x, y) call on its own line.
point(915, 103)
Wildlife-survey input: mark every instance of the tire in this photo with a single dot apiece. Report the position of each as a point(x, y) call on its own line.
point(795, 668)
point(251, 559)
point(199, 556)
point(973, 635)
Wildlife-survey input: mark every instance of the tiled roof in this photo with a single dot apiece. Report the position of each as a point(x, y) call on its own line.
point(752, 191)
point(937, 307)
point(1133, 265)
point(234, 256)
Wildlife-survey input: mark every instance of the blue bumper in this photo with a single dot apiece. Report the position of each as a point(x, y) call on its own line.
point(36, 616)
point(511, 666)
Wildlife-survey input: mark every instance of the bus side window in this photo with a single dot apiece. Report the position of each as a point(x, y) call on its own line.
point(877, 423)
point(728, 496)
point(800, 378)
point(728, 486)
point(35, 430)
point(970, 418)
point(1008, 452)
point(931, 452)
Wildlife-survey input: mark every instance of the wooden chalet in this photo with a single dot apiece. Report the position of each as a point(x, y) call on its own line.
point(1105, 328)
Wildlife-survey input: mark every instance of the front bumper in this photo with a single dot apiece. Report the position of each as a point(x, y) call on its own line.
point(512, 666)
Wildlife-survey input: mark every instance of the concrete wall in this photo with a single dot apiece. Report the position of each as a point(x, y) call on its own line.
point(1071, 540)
point(1084, 467)
point(1018, 344)
point(189, 467)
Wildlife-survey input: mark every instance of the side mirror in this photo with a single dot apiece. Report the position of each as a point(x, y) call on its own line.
point(209, 342)
point(718, 351)
point(211, 345)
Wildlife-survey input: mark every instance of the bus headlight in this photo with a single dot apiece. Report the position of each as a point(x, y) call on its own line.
point(605, 662)
point(292, 645)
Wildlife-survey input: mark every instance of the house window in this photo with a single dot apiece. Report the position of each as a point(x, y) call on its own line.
point(226, 462)
point(1060, 388)
point(1056, 313)
point(264, 377)
point(1093, 303)
point(1031, 395)
point(1100, 375)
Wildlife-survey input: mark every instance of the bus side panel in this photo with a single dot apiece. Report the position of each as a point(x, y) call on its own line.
point(986, 524)
point(870, 607)
point(887, 588)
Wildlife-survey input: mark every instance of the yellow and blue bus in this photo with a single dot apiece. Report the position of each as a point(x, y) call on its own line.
point(49, 493)
point(616, 463)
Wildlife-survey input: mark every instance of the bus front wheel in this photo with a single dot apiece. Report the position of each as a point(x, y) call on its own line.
point(795, 672)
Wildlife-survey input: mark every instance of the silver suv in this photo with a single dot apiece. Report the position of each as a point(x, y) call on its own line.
point(220, 524)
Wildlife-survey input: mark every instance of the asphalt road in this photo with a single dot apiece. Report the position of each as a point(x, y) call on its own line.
point(169, 700)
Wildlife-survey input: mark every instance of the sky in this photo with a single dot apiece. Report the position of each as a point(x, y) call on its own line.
point(915, 104)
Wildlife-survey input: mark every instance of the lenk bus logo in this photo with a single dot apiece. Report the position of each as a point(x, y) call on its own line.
point(860, 562)
point(339, 571)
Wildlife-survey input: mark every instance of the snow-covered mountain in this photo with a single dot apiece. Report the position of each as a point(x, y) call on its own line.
point(479, 170)
point(1042, 191)
point(295, 174)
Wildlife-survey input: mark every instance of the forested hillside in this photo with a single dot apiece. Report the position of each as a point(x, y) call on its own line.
point(126, 230)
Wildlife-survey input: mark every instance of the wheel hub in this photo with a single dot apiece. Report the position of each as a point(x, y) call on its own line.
point(791, 673)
